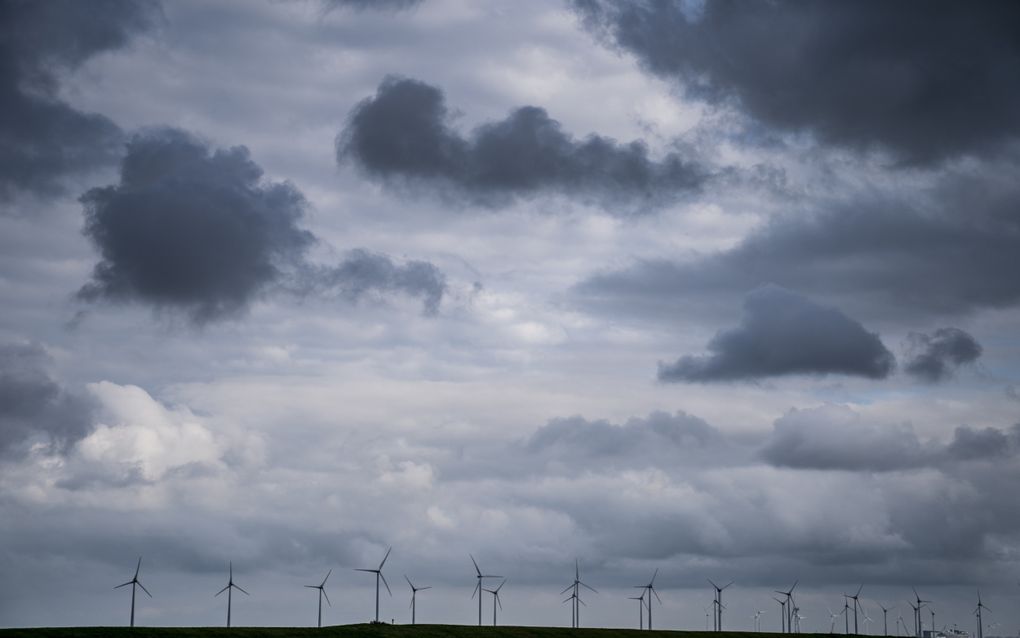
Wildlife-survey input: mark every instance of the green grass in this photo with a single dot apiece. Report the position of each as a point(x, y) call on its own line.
point(367, 631)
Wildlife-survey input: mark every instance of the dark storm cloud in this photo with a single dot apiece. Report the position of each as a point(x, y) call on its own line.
point(879, 254)
point(402, 135)
point(934, 357)
point(784, 333)
point(192, 229)
point(925, 80)
point(835, 437)
point(34, 408)
point(42, 138)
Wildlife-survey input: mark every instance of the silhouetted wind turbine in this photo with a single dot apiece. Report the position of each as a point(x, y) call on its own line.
point(378, 575)
point(414, 595)
point(977, 612)
point(867, 619)
point(650, 588)
point(917, 612)
point(718, 601)
point(782, 613)
point(134, 582)
point(641, 611)
point(855, 599)
point(788, 609)
point(478, 587)
point(495, 600)
point(575, 610)
point(932, 610)
point(757, 619)
point(230, 590)
point(832, 619)
point(846, 613)
point(885, 618)
point(322, 592)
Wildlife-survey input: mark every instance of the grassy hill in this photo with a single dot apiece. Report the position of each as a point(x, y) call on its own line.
point(368, 631)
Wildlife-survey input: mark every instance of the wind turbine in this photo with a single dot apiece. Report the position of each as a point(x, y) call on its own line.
point(900, 622)
point(846, 613)
point(230, 590)
point(414, 594)
point(867, 619)
point(932, 610)
point(788, 610)
point(977, 612)
point(478, 587)
point(650, 589)
point(854, 598)
point(378, 575)
point(885, 618)
point(917, 613)
point(135, 583)
point(641, 611)
point(495, 600)
point(832, 619)
point(757, 619)
point(322, 592)
point(575, 609)
point(782, 613)
point(718, 603)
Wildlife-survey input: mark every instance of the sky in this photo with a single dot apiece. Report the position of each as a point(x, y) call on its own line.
point(727, 290)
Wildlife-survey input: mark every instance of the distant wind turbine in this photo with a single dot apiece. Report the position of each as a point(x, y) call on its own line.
point(718, 603)
point(782, 613)
point(650, 590)
point(787, 607)
point(977, 612)
point(832, 619)
point(230, 590)
point(495, 600)
point(855, 598)
point(757, 619)
point(885, 618)
point(576, 598)
point(917, 613)
point(322, 592)
point(641, 611)
point(378, 576)
point(135, 583)
point(478, 587)
point(414, 595)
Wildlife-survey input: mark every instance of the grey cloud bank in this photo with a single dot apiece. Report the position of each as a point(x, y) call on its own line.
point(935, 357)
point(925, 81)
point(198, 230)
point(402, 135)
point(783, 333)
point(43, 138)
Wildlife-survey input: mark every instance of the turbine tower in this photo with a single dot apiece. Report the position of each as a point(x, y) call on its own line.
point(917, 613)
point(977, 612)
point(782, 613)
point(478, 588)
point(322, 592)
point(135, 583)
point(650, 590)
point(885, 618)
point(718, 603)
point(414, 595)
point(788, 608)
point(378, 576)
point(641, 611)
point(495, 600)
point(230, 590)
point(855, 599)
point(576, 585)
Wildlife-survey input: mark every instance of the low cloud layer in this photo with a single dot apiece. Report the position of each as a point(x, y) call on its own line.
point(43, 138)
point(935, 357)
point(402, 135)
point(784, 333)
point(835, 437)
point(34, 408)
point(935, 80)
point(199, 230)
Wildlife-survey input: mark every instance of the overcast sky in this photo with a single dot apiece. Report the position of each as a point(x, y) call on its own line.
point(725, 289)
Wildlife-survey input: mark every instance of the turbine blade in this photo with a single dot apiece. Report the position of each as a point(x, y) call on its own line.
point(326, 578)
point(497, 601)
point(656, 595)
point(385, 557)
point(312, 586)
point(711, 583)
point(125, 584)
point(653, 577)
point(569, 587)
point(859, 591)
point(475, 590)
point(424, 588)
point(385, 583)
point(728, 584)
point(144, 589)
point(327, 597)
point(241, 590)
point(372, 571)
point(409, 583)
point(221, 591)
point(138, 567)
point(587, 586)
point(475, 563)
point(582, 602)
